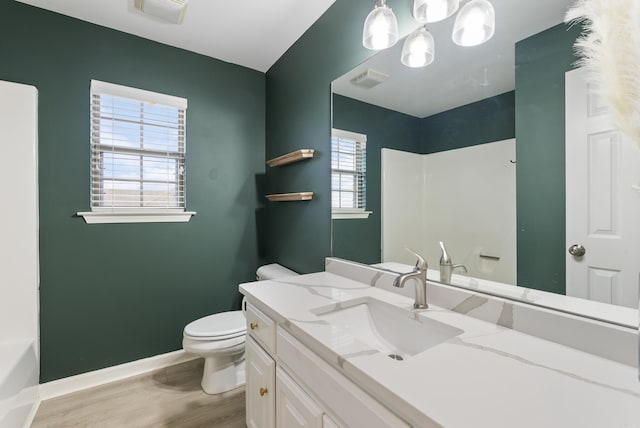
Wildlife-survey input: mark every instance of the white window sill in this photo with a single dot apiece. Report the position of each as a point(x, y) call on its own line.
point(101, 217)
point(349, 214)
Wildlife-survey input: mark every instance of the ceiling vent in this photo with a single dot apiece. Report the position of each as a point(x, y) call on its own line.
point(369, 79)
point(167, 10)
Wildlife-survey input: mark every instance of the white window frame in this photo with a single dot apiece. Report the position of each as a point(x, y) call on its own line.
point(348, 213)
point(100, 214)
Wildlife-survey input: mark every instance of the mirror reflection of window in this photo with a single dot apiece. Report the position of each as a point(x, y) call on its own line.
point(348, 174)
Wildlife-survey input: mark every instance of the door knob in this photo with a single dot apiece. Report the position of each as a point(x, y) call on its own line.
point(577, 250)
point(263, 391)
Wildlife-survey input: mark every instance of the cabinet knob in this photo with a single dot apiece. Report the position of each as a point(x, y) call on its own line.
point(263, 391)
point(253, 325)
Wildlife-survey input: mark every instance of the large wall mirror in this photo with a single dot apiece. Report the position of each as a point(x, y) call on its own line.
point(490, 150)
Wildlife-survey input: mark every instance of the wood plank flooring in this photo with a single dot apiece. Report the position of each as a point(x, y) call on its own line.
point(169, 397)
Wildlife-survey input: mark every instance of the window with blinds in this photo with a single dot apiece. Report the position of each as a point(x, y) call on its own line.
point(138, 149)
point(348, 172)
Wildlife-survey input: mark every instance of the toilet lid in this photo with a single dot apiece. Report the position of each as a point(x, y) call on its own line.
point(218, 325)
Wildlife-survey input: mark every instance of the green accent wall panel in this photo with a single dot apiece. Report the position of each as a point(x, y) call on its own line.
point(359, 239)
point(485, 121)
point(114, 293)
point(541, 63)
point(298, 109)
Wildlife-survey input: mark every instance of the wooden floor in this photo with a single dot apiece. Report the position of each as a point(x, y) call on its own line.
point(169, 397)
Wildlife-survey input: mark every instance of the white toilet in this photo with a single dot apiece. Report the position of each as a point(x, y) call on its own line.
point(220, 338)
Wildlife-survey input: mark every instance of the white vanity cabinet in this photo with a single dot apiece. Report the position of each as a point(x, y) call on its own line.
point(274, 399)
point(260, 388)
point(289, 386)
point(294, 407)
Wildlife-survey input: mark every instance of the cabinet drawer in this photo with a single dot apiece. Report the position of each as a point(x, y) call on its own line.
point(348, 403)
point(262, 328)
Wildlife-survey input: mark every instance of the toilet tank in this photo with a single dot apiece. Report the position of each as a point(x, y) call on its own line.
point(273, 271)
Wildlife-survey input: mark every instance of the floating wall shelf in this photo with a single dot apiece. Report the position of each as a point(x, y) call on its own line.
point(296, 156)
point(282, 197)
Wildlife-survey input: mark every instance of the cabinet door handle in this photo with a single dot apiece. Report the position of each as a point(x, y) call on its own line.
point(253, 325)
point(263, 391)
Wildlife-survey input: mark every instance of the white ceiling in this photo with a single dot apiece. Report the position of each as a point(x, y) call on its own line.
point(458, 75)
point(252, 34)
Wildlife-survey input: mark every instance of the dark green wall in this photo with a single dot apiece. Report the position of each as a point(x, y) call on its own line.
point(485, 121)
point(359, 239)
point(119, 292)
point(299, 116)
point(541, 63)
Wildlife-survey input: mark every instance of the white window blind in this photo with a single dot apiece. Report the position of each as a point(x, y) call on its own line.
point(348, 170)
point(138, 149)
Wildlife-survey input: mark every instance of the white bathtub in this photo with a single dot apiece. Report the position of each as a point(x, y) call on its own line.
point(19, 373)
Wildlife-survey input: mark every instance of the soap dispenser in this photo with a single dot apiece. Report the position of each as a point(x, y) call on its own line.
point(447, 266)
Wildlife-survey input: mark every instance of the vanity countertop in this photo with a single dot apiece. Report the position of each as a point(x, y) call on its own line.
point(487, 376)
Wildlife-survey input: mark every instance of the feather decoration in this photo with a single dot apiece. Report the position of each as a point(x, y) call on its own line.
point(609, 49)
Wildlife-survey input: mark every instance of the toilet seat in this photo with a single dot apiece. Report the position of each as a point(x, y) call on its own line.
point(221, 326)
point(204, 348)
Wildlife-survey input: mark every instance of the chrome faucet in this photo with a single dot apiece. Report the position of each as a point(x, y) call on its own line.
point(446, 266)
point(419, 275)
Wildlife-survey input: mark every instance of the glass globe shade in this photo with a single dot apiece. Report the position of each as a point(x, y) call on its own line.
point(380, 28)
point(425, 11)
point(418, 49)
point(475, 24)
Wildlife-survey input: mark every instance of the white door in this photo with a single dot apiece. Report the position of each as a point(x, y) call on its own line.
point(602, 200)
point(294, 408)
point(260, 387)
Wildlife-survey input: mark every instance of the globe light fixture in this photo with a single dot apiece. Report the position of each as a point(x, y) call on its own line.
point(418, 49)
point(475, 24)
point(380, 28)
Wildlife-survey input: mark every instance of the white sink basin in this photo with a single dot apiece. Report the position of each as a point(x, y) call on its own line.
point(393, 331)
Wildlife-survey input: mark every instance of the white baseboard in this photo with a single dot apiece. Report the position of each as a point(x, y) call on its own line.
point(32, 414)
point(82, 381)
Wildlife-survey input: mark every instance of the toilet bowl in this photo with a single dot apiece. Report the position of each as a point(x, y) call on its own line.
point(220, 339)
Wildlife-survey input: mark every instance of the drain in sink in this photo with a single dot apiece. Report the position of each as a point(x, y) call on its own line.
point(396, 357)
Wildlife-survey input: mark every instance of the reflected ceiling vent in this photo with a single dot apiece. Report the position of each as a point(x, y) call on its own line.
point(369, 79)
point(168, 10)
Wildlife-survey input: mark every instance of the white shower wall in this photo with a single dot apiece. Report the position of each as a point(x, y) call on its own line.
point(19, 277)
point(19, 216)
point(464, 197)
point(403, 185)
